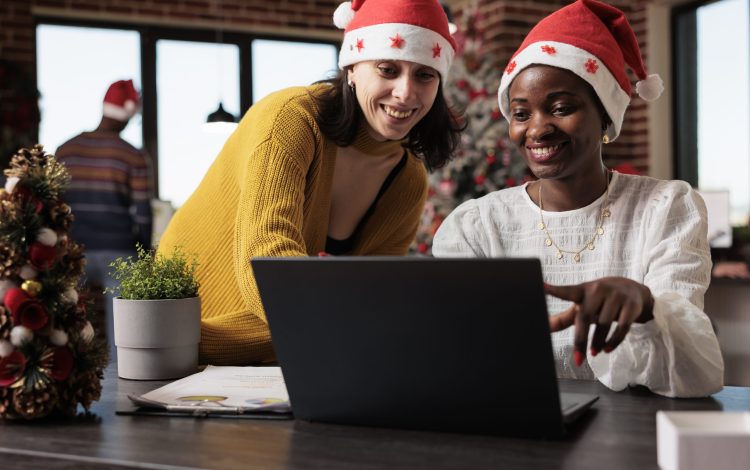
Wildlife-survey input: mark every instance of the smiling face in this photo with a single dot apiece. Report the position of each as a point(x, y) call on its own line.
point(557, 123)
point(394, 95)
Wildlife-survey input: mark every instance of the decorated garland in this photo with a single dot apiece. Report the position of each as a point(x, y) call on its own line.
point(50, 359)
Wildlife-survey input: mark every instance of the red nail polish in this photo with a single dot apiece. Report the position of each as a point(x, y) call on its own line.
point(594, 352)
point(578, 357)
point(608, 349)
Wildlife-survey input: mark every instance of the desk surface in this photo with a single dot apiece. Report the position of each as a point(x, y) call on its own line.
point(621, 432)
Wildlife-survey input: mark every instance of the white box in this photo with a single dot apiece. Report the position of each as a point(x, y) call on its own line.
point(703, 440)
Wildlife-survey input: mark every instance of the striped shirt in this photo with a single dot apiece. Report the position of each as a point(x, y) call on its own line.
point(110, 191)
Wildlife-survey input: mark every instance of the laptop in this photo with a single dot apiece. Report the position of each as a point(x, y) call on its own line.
point(456, 345)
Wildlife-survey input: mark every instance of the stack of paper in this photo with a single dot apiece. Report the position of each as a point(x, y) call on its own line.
point(222, 390)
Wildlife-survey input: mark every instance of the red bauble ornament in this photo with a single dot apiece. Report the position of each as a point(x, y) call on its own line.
point(25, 310)
point(42, 257)
point(11, 368)
point(14, 297)
point(62, 363)
point(25, 194)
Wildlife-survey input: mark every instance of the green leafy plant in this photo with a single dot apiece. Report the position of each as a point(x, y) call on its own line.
point(154, 276)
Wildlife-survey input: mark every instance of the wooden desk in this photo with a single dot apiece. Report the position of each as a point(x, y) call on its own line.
point(728, 306)
point(620, 434)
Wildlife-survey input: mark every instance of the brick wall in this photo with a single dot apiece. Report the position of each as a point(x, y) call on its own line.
point(506, 23)
point(311, 18)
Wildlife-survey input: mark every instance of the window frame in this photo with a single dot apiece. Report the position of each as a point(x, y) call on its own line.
point(150, 34)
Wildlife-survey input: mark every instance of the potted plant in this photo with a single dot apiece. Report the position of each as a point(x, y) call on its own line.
point(156, 315)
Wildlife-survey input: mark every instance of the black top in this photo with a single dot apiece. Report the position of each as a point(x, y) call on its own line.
point(341, 247)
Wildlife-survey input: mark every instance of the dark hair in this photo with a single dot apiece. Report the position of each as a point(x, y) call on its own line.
point(433, 139)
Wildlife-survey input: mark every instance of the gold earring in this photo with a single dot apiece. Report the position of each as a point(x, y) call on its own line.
point(605, 139)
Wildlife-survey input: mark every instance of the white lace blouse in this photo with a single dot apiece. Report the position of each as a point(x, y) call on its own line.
point(656, 235)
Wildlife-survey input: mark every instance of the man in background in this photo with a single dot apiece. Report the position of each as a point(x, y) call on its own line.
point(110, 191)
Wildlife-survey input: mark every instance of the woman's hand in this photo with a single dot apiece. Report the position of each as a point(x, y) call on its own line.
point(600, 303)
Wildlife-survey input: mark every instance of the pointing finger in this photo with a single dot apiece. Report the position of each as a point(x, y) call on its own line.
point(573, 293)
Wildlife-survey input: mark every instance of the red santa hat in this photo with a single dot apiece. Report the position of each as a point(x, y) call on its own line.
point(595, 41)
point(121, 101)
point(412, 30)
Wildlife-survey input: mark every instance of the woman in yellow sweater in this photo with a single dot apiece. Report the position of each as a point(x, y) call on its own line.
point(338, 167)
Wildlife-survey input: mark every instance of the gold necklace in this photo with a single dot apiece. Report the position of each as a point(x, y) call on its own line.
point(603, 214)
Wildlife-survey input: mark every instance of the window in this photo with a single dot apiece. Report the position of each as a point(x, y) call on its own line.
point(300, 64)
point(712, 98)
point(192, 78)
point(75, 66)
point(723, 102)
point(183, 75)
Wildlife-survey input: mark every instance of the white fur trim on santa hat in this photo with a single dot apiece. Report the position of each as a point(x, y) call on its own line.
point(20, 335)
point(10, 183)
point(5, 348)
point(343, 15)
point(650, 88)
point(565, 56)
point(420, 45)
point(119, 113)
point(46, 236)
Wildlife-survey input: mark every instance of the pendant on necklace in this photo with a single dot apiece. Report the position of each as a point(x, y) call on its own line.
point(600, 231)
point(559, 255)
point(606, 213)
point(577, 257)
point(541, 225)
point(548, 242)
point(590, 246)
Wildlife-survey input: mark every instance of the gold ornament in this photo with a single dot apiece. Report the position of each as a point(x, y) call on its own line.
point(589, 245)
point(32, 287)
point(605, 139)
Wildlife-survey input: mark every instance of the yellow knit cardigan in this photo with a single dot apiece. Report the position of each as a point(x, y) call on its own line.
point(268, 194)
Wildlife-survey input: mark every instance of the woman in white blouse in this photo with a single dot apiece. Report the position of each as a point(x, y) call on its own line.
point(625, 258)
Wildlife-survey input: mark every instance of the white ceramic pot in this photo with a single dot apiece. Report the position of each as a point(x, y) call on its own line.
point(157, 339)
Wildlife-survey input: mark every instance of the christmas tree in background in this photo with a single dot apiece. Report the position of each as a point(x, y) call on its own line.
point(50, 360)
point(485, 160)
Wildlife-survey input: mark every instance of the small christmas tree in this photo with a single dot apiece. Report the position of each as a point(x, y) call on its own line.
point(486, 160)
point(50, 359)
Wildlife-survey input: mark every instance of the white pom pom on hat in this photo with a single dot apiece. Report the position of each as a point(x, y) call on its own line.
point(651, 88)
point(343, 15)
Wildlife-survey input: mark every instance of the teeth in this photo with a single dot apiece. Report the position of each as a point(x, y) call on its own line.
point(544, 150)
point(396, 113)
